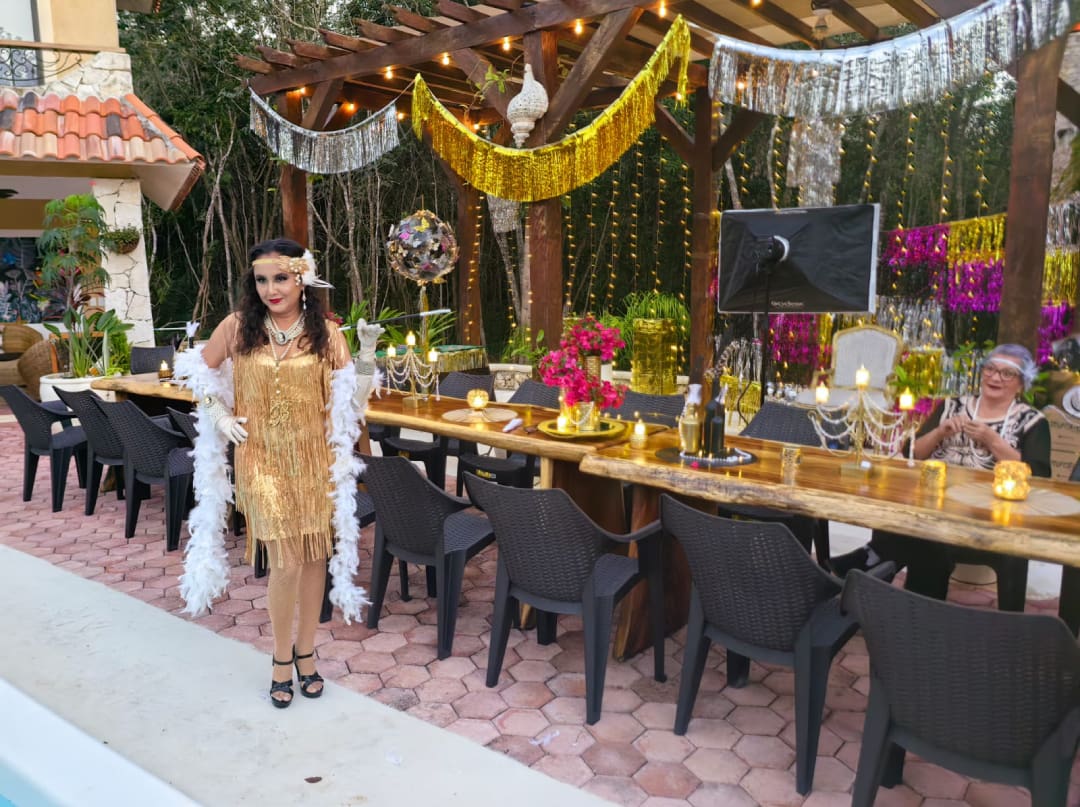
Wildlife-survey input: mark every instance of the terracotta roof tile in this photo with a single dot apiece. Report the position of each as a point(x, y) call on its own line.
point(113, 130)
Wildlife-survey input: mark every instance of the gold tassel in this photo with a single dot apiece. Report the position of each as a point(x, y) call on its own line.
point(528, 175)
point(1060, 275)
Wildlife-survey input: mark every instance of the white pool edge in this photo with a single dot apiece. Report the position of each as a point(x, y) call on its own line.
point(44, 760)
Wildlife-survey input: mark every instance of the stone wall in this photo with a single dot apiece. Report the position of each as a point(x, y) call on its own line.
point(1064, 129)
point(103, 75)
point(128, 292)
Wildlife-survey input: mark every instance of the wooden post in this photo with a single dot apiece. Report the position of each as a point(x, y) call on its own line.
point(469, 218)
point(703, 239)
point(294, 212)
point(1029, 194)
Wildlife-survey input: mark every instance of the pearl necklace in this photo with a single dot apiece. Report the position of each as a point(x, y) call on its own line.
point(283, 337)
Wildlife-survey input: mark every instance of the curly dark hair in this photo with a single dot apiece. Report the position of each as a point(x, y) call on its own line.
point(252, 310)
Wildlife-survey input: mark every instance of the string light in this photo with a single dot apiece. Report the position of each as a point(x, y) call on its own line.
point(614, 241)
point(662, 11)
point(350, 107)
point(981, 206)
point(909, 171)
point(570, 244)
point(474, 263)
point(401, 116)
point(867, 195)
point(302, 91)
point(688, 217)
point(579, 27)
point(506, 43)
point(661, 211)
point(593, 246)
point(446, 59)
point(947, 160)
point(774, 185)
point(744, 173)
point(635, 204)
point(389, 72)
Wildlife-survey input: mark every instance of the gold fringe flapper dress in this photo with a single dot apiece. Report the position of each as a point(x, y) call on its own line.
point(283, 468)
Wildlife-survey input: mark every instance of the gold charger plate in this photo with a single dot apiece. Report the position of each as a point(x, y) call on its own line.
point(608, 430)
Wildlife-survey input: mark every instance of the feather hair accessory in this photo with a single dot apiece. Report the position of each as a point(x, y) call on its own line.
point(304, 269)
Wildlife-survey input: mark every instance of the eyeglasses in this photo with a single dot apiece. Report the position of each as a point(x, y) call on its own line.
point(1004, 373)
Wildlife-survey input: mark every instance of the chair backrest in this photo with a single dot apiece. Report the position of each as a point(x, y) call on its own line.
point(755, 580)
point(537, 394)
point(869, 346)
point(18, 338)
point(38, 360)
point(409, 509)
point(99, 430)
point(184, 423)
point(784, 423)
point(457, 385)
point(549, 546)
point(990, 685)
point(1075, 475)
point(146, 444)
point(652, 408)
point(35, 421)
point(149, 359)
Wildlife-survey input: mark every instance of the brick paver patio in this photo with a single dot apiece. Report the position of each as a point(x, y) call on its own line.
point(739, 749)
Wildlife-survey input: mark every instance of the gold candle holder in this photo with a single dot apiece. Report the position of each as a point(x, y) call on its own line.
point(639, 438)
point(164, 372)
point(933, 475)
point(790, 457)
point(478, 399)
point(1011, 480)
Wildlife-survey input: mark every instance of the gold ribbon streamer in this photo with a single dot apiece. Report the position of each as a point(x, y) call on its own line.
point(979, 239)
point(1060, 275)
point(528, 175)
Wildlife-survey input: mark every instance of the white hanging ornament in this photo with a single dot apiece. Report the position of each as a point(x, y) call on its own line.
point(527, 107)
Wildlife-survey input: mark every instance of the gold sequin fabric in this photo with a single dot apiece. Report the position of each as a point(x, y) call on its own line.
point(283, 468)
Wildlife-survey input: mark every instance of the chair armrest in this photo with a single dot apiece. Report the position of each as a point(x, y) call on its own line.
point(886, 570)
point(642, 534)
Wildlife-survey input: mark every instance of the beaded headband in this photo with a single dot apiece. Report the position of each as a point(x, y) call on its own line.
point(303, 268)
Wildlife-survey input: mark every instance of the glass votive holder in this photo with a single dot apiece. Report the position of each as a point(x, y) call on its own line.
point(790, 457)
point(477, 398)
point(933, 474)
point(639, 437)
point(1011, 480)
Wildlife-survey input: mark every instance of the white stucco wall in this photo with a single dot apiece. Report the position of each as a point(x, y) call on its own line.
point(128, 291)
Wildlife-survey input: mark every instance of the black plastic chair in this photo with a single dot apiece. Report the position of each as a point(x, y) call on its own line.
point(760, 596)
point(517, 470)
point(784, 423)
point(663, 409)
point(103, 446)
point(553, 557)
point(149, 359)
point(36, 421)
point(1074, 476)
point(365, 514)
point(417, 522)
point(153, 455)
point(991, 695)
point(433, 454)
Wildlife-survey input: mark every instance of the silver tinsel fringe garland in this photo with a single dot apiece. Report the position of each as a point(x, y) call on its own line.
point(911, 69)
point(814, 160)
point(333, 152)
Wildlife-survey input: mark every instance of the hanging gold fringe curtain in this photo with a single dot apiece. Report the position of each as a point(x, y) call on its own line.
point(527, 175)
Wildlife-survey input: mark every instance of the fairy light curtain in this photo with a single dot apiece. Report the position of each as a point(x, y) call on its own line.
point(912, 69)
point(333, 152)
point(528, 175)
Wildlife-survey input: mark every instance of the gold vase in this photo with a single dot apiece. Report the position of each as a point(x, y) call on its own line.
point(587, 413)
point(654, 363)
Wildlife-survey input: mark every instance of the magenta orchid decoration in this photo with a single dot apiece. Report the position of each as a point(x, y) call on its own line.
point(565, 367)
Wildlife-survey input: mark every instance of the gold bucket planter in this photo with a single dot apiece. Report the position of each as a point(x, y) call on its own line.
point(654, 363)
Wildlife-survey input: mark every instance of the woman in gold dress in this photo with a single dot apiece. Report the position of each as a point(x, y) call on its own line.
point(289, 362)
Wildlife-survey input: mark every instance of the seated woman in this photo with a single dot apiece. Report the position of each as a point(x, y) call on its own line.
point(975, 432)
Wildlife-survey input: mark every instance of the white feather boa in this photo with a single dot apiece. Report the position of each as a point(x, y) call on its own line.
point(342, 431)
point(206, 564)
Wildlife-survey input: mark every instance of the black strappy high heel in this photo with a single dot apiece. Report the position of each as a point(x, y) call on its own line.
point(281, 686)
point(307, 681)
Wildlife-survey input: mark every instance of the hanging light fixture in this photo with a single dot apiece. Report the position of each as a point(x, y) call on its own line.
point(821, 9)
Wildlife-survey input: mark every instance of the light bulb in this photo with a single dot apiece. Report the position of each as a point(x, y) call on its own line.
point(662, 11)
point(506, 43)
point(389, 72)
point(579, 27)
point(446, 59)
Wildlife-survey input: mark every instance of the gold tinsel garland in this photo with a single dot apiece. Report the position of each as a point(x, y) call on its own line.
point(980, 239)
point(528, 175)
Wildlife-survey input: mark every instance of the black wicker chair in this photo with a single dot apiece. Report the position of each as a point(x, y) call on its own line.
point(663, 409)
point(785, 423)
point(417, 522)
point(990, 695)
point(365, 514)
point(552, 556)
point(1074, 476)
point(103, 446)
point(149, 359)
point(153, 455)
point(434, 453)
point(517, 470)
point(36, 421)
point(760, 596)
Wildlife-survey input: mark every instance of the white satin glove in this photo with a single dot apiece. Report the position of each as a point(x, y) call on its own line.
point(366, 371)
point(230, 426)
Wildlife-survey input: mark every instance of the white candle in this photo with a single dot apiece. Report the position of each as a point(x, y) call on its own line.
point(433, 356)
point(410, 340)
point(562, 425)
point(862, 378)
point(907, 400)
point(821, 394)
point(639, 436)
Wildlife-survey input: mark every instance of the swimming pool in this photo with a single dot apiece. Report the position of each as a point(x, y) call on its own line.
point(47, 762)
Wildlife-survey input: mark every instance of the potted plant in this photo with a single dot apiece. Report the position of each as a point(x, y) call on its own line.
point(517, 360)
point(121, 240)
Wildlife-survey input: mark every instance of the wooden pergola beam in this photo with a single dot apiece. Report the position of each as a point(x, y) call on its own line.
point(706, 18)
point(475, 68)
point(280, 57)
point(770, 12)
point(418, 22)
point(424, 48)
point(1068, 102)
point(582, 76)
point(677, 138)
point(459, 11)
point(352, 44)
point(252, 65)
point(743, 122)
point(654, 23)
point(854, 20)
point(322, 104)
point(913, 12)
point(380, 33)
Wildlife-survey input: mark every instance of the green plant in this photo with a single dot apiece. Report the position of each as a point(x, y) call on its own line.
point(71, 249)
point(438, 326)
point(119, 353)
point(520, 349)
point(87, 339)
point(121, 239)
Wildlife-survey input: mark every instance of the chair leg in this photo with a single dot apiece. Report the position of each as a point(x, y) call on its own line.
point(1050, 776)
point(176, 497)
point(502, 617)
point(811, 684)
point(874, 752)
point(821, 543)
point(93, 483)
point(547, 625)
point(695, 653)
point(381, 561)
point(403, 580)
point(118, 479)
point(432, 582)
point(449, 574)
point(435, 466)
point(327, 612)
point(132, 502)
point(652, 563)
point(80, 466)
point(1012, 576)
point(459, 484)
point(59, 462)
point(597, 615)
point(30, 464)
point(738, 670)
